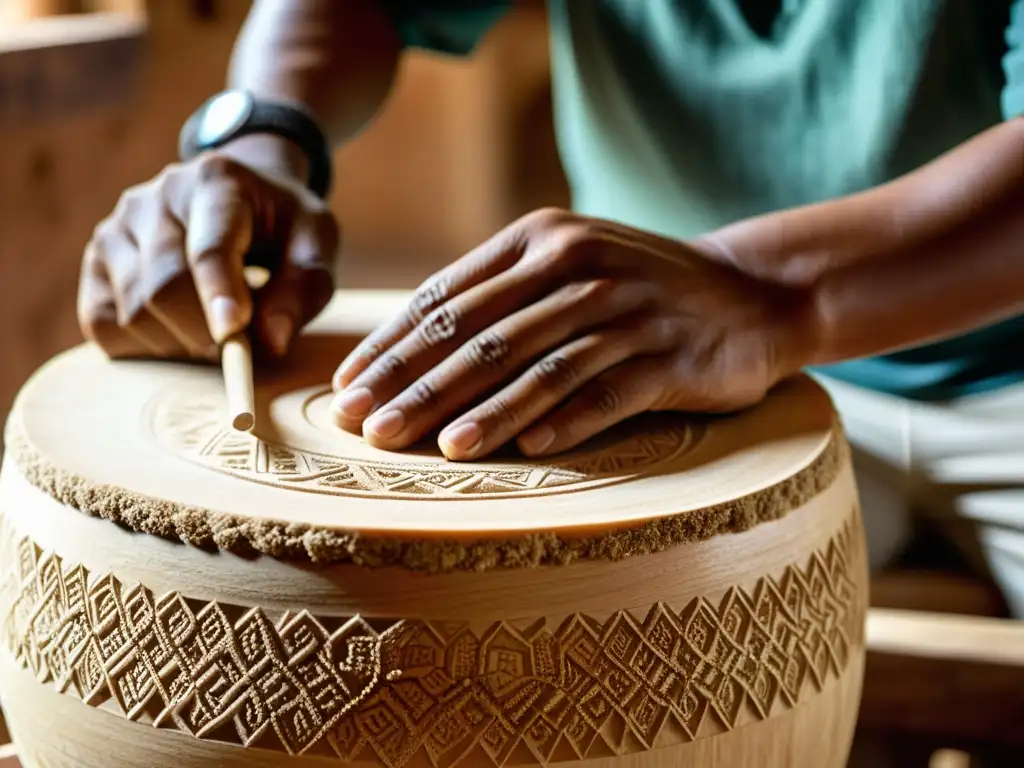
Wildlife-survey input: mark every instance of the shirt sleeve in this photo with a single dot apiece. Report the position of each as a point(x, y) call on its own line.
point(445, 26)
point(1013, 63)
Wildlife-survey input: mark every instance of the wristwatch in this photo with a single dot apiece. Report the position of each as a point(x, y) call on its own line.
point(235, 113)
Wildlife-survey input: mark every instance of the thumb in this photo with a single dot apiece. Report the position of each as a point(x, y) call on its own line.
point(219, 234)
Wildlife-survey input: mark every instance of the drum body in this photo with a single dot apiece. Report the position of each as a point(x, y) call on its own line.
point(173, 594)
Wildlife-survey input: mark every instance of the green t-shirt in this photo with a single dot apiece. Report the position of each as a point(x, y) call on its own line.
point(682, 116)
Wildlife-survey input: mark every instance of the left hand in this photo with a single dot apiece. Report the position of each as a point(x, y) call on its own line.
point(558, 328)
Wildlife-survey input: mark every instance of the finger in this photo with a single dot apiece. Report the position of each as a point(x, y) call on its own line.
point(548, 382)
point(483, 263)
point(629, 388)
point(219, 233)
point(176, 305)
point(168, 285)
point(124, 271)
point(97, 310)
point(499, 353)
point(303, 284)
point(439, 335)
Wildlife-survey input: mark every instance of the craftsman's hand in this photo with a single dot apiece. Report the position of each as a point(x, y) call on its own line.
point(561, 326)
point(162, 276)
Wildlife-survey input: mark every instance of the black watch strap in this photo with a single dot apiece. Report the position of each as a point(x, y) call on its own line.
point(233, 114)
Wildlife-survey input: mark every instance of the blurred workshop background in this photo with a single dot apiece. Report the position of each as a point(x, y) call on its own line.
point(93, 93)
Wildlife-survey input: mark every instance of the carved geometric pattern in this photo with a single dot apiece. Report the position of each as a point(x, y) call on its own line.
point(417, 693)
point(192, 426)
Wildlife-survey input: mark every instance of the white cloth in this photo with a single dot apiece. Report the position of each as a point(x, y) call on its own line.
point(959, 464)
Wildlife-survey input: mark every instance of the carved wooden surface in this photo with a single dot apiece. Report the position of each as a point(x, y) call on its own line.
point(461, 148)
point(190, 422)
point(398, 691)
point(643, 486)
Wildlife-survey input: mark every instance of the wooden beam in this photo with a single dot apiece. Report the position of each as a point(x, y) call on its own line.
point(61, 66)
point(957, 677)
point(937, 592)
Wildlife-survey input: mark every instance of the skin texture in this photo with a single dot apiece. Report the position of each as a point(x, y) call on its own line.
point(563, 326)
point(162, 275)
point(560, 325)
point(568, 324)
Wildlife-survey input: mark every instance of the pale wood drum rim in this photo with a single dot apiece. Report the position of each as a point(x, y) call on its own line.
point(67, 438)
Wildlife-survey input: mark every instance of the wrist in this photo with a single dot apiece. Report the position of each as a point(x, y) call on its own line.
point(285, 137)
point(789, 320)
point(271, 154)
point(797, 340)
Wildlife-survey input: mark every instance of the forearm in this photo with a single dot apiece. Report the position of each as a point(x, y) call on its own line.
point(335, 58)
point(933, 254)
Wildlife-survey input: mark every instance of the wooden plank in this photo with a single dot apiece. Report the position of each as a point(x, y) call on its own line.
point(938, 592)
point(55, 68)
point(958, 677)
point(947, 638)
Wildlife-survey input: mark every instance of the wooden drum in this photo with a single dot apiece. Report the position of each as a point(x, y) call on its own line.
point(679, 592)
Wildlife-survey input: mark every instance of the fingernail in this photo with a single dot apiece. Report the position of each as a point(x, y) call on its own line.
point(466, 438)
point(536, 440)
point(279, 327)
point(386, 424)
point(225, 317)
point(353, 404)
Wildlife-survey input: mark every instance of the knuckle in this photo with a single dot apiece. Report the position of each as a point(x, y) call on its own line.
point(440, 325)
point(370, 350)
point(391, 365)
point(661, 332)
point(130, 202)
point(204, 256)
point(599, 290)
point(567, 246)
point(489, 350)
point(570, 240)
point(430, 296)
point(502, 415)
point(606, 400)
point(169, 171)
point(105, 232)
point(212, 166)
point(557, 372)
point(544, 218)
point(169, 182)
point(423, 395)
point(165, 181)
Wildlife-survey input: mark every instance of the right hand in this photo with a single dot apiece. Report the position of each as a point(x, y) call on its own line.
point(163, 275)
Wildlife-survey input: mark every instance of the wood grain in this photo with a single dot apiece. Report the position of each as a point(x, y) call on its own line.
point(675, 593)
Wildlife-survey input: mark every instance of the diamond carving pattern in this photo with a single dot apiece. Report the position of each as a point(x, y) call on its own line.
point(193, 427)
point(423, 693)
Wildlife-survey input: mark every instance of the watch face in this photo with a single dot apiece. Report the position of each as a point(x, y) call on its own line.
point(224, 115)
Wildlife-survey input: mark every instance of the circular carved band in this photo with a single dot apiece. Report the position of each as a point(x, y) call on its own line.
point(210, 529)
point(189, 422)
point(399, 691)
